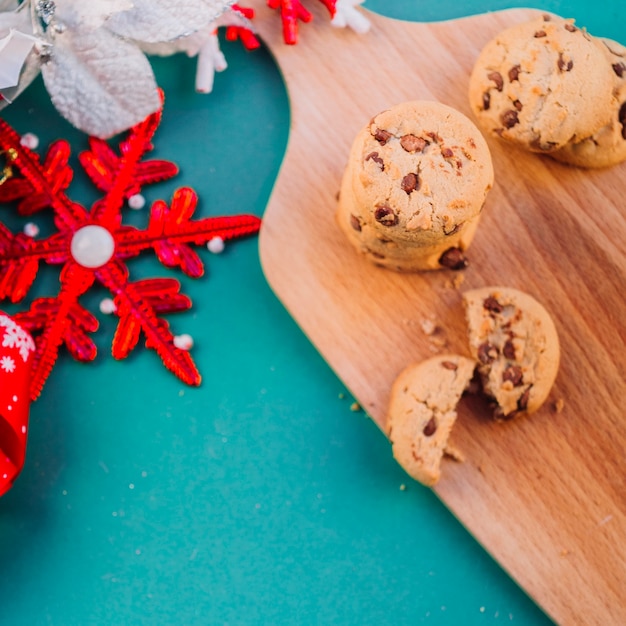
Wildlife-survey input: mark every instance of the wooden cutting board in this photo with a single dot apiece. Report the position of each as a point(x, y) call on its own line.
point(546, 495)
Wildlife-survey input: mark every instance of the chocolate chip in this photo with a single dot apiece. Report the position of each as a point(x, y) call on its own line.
point(508, 350)
point(434, 136)
point(447, 153)
point(540, 33)
point(496, 77)
point(619, 69)
point(449, 365)
point(486, 101)
point(509, 118)
point(514, 374)
point(410, 183)
point(563, 65)
point(381, 136)
point(487, 352)
point(518, 105)
point(570, 27)
point(514, 73)
point(453, 259)
point(491, 304)
point(374, 156)
point(621, 116)
point(411, 143)
point(430, 428)
point(384, 215)
point(522, 403)
point(355, 223)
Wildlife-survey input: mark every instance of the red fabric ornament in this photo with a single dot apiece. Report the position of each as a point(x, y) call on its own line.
point(94, 246)
point(292, 11)
point(17, 349)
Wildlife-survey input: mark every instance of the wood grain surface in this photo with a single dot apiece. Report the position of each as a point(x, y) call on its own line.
point(545, 494)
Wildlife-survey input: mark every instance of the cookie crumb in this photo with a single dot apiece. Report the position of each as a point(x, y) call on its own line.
point(355, 406)
point(452, 452)
point(455, 282)
point(342, 395)
point(558, 406)
point(402, 487)
point(429, 327)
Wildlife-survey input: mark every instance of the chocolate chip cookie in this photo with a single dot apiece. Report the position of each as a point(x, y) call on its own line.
point(416, 181)
point(422, 412)
point(542, 84)
point(516, 345)
point(607, 146)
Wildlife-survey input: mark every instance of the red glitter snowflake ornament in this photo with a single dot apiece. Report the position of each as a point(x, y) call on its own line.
point(291, 11)
point(94, 246)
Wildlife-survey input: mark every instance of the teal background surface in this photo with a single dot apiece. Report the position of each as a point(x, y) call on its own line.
point(259, 497)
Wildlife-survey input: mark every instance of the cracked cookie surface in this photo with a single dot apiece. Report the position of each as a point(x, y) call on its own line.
point(607, 146)
point(422, 412)
point(514, 340)
point(542, 84)
point(416, 181)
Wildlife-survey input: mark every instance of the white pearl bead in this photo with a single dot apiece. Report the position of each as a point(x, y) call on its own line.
point(92, 246)
point(30, 141)
point(183, 342)
point(215, 245)
point(136, 202)
point(31, 229)
point(107, 306)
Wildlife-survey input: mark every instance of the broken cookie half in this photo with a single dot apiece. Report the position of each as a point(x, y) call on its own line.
point(422, 412)
point(516, 345)
point(515, 353)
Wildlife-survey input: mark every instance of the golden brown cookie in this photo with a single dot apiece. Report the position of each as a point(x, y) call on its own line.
point(607, 146)
point(516, 344)
point(414, 187)
point(422, 412)
point(542, 84)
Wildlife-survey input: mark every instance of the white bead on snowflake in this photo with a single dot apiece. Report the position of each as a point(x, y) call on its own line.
point(136, 202)
point(346, 14)
point(31, 229)
point(30, 141)
point(92, 246)
point(216, 245)
point(183, 342)
point(107, 306)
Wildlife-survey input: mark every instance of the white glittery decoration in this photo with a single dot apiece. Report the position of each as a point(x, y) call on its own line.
point(107, 306)
point(347, 15)
point(215, 245)
point(136, 202)
point(30, 141)
point(31, 229)
point(183, 342)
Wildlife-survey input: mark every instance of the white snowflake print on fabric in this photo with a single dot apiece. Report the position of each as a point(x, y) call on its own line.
point(7, 364)
point(16, 337)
